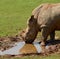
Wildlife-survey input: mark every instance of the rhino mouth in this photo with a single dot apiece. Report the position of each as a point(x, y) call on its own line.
point(30, 41)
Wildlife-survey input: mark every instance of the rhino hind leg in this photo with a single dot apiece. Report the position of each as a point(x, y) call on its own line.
point(52, 36)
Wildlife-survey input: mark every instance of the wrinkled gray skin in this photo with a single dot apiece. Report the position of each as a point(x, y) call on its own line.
point(45, 18)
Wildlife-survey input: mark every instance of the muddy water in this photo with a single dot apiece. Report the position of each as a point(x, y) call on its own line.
point(21, 48)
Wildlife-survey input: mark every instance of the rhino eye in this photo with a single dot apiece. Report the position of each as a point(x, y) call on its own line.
point(20, 35)
point(23, 31)
point(16, 35)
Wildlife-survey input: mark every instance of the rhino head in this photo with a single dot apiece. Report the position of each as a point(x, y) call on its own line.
point(31, 31)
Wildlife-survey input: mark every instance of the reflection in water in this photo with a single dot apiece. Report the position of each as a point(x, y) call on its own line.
point(22, 47)
point(14, 50)
point(37, 47)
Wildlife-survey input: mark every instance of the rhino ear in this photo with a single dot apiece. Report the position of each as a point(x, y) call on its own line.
point(31, 19)
point(32, 16)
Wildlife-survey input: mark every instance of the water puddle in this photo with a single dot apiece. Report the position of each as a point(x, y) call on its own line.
point(23, 47)
point(14, 50)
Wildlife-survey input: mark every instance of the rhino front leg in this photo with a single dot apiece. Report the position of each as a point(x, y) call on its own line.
point(45, 32)
point(52, 35)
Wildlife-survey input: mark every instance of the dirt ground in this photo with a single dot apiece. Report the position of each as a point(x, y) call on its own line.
point(8, 42)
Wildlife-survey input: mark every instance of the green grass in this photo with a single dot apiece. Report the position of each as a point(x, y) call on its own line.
point(34, 57)
point(14, 14)
point(40, 57)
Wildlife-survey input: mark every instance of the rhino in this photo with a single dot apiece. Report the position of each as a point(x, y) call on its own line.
point(45, 19)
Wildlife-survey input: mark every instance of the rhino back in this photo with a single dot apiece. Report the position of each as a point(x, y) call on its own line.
point(56, 16)
point(37, 10)
point(49, 15)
